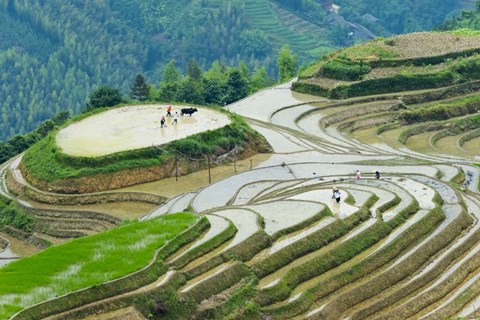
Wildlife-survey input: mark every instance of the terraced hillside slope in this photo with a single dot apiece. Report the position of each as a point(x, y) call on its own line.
point(408, 62)
point(405, 245)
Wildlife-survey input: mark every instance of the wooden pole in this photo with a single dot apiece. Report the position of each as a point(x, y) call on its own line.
point(176, 168)
point(234, 161)
point(209, 175)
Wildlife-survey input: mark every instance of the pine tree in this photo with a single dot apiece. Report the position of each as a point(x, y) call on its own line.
point(170, 73)
point(139, 89)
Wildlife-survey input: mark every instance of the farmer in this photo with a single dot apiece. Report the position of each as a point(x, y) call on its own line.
point(175, 118)
point(336, 194)
point(357, 174)
point(169, 111)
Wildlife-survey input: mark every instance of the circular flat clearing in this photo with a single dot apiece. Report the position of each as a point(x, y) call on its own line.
point(133, 127)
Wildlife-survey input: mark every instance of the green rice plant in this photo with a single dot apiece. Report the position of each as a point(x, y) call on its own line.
point(86, 262)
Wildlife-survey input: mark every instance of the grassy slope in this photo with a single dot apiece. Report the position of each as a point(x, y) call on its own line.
point(85, 262)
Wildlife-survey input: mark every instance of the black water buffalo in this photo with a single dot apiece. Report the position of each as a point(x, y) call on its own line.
point(188, 111)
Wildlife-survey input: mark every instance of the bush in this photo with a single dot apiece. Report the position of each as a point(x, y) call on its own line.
point(345, 71)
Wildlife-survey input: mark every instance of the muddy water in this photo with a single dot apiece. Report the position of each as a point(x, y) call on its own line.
point(182, 203)
point(320, 158)
point(20, 248)
point(249, 191)
point(280, 215)
point(448, 171)
point(133, 127)
point(263, 104)
point(324, 196)
point(423, 194)
point(244, 220)
point(218, 194)
point(287, 117)
point(282, 142)
point(7, 256)
point(217, 225)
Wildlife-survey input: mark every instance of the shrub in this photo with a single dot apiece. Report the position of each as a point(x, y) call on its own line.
point(345, 71)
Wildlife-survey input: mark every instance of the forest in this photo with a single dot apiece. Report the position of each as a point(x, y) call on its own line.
point(53, 54)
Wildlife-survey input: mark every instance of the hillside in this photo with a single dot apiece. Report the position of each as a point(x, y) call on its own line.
point(268, 238)
point(403, 63)
point(54, 53)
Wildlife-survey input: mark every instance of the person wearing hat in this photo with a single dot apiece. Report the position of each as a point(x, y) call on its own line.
point(336, 194)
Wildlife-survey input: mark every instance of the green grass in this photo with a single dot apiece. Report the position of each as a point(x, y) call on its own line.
point(86, 262)
point(11, 214)
point(466, 32)
point(369, 51)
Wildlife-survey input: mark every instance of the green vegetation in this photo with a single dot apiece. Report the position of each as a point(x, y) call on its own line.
point(368, 51)
point(364, 69)
point(86, 262)
point(46, 162)
point(53, 54)
point(441, 111)
point(11, 214)
point(345, 71)
point(20, 143)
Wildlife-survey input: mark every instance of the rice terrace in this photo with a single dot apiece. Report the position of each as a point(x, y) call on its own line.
point(229, 214)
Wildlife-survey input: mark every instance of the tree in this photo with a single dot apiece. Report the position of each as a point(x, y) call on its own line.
point(170, 73)
point(214, 91)
point(104, 96)
point(168, 91)
point(287, 64)
point(190, 91)
point(194, 70)
point(139, 89)
point(259, 80)
point(237, 86)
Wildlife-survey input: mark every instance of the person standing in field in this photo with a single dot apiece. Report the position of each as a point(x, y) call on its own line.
point(336, 194)
point(162, 122)
point(175, 118)
point(169, 111)
point(357, 175)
